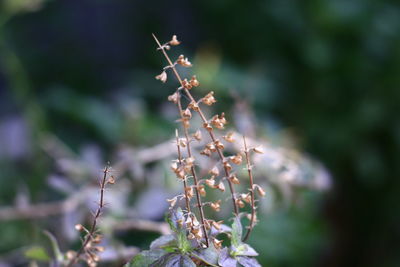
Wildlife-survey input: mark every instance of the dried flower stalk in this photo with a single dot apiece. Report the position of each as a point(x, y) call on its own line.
point(252, 201)
point(186, 86)
point(193, 171)
point(89, 245)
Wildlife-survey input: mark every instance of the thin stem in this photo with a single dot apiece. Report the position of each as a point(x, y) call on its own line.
point(187, 200)
point(194, 174)
point(92, 230)
point(203, 118)
point(253, 207)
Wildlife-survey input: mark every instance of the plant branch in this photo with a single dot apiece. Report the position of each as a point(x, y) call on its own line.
point(203, 118)
point(253, 207)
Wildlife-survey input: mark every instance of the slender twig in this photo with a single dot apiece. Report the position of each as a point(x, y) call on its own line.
point(194, 174)
point(253, 206)
point(203, 118)
point(90, 234)
point(187, 199)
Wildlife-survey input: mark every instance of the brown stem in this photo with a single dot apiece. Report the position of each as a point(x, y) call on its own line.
point(253, 207)
point(187, 200)
point(193, 171)
point(92, 230)
point(202, 116)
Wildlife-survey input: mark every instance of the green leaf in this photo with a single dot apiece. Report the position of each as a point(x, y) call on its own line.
point(208, 255)
point(145, 258)
point(173, 219)
point(236, 232)
point(37, 253)
point(183, 243)
point(174, 260)
point(243, 250)
point(165, 242)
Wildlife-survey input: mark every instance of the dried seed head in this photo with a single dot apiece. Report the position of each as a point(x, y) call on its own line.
point(237, 159)
point(216, 205)
point(246, 197)
point(206, 152)
point(186, 84)
point(220, 186)
point(189, 192)
point(217, 225)
point(219, 121)
point(183, 61)
point(217, 243)
point(162, 77)
point(227, 166)
point(211, 146)
point(197, 135)
point(189, 161)
point(219, 144)
point(111, 180)
point(193, 105)
point(240, 203)
point(229, 137)
point(207, 126)
point(202, 190)
point(210, 182)
point(234, 179)
point(174, 41)
point(258, 150)
point(214, 171)
point(260, 191)
point(172, 202)
point(187, 114)
point(174, 97)
point(194, 82)
point(209, 99)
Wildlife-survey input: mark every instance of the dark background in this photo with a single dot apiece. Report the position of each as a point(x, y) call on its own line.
point(326, 71)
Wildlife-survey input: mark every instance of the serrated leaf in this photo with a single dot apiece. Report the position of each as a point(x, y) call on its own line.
point(174, 260)
point(184, 244)
point(243, 250)
point(236, 232)
point(208, 255)
point(145, 258)
point(248, 262)
point(225, 260)
point(37, 253)
point(164, 241)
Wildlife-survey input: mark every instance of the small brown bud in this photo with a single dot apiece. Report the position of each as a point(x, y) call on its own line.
point(220, 186)
point(229, 137)
point(193, 105)
point(258, 150)
point(174, 97)
point(194, 82)
point(227, 166)
point(237, 159)
point(209, 99)
point(162, 77)
point(216, 205)
point(240, 203)
point(217, 243)
point(219, 144)
point(260, 191)
point(189, 160)
point(197, 135)
point(186, 113)
point(189, 192)
point(246, 197)
point(111, 180)
point(217, 225)
point(211, 146)
point(202, 191)
point(214, 171)
point(210, 182)
point(234, 179)
point(174, 166)
point(186, 84)
point(207, 126)
point(174, 41)
point(172, 202)
point(206, 152)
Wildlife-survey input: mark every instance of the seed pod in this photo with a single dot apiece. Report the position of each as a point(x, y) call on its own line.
point(237, 159)
point(216, 205)
point(162, 77)
point(229, 137)
point(207, 126)
point(260, 191)
point(210, 183)
point(217, 243)
point(174, 41)
point(187, 114)
point(202, 191)
point(174, 98)
point(194, 82)
point(79, 227)
point(220, 186)
point(186, 84)
point(234, 179)
point(206, 152)
point(246, 197)
point(214, 171)
point(240, 203)
point(193, 105)
point(209, 99)
point(258, 150)
point(197, 135)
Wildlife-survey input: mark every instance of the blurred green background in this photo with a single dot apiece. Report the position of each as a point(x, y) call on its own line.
point(77, 89)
